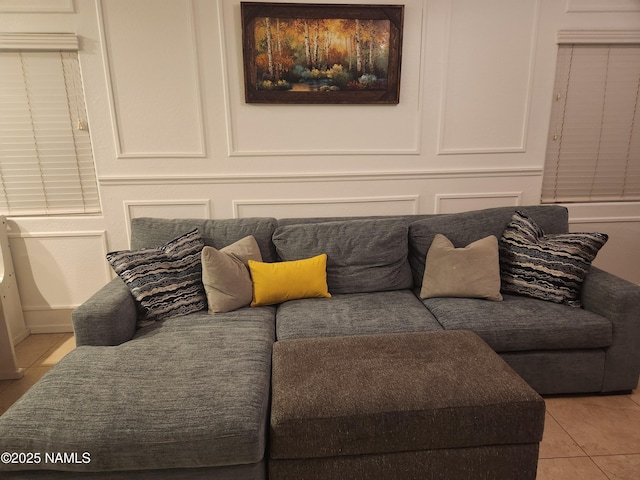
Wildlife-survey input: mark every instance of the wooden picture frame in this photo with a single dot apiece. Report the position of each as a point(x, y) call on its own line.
point(302, 53)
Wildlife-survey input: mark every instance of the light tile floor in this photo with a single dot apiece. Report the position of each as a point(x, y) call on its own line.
point(37, 354)
point(591, 438)
point(585, 438)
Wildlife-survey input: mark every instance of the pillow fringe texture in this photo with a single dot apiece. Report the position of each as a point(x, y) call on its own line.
point(165, 281)
point(548, 267)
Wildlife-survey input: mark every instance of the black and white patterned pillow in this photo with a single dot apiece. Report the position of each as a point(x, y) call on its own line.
point(165, 281)
point(549, 267)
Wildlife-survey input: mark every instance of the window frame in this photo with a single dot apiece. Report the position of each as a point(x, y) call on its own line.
point(60, 178)
point(574, 173)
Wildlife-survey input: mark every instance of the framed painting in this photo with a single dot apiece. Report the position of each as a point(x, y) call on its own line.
point(302, 53)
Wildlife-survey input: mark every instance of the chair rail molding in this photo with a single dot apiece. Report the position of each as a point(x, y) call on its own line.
point(115, 180)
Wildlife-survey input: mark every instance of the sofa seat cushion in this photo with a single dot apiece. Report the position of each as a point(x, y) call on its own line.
point(187, 392)
point(521, 323)
point(363, 255)
point(354, 314)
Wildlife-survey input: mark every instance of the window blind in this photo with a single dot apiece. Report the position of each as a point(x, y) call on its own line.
point(593, 150)
point(46, 159)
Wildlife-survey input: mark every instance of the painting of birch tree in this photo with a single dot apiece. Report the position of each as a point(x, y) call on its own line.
point(322, 54)
point(335, 54)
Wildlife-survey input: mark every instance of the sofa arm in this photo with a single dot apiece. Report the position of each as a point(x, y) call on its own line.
point(107, 318)
point(619, 301)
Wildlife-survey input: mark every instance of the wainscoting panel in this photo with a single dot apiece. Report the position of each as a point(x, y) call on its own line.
point(463, 202)
point(621, 221)
point(603, 6)
point(56, 272)
point(153, 78)
point(488, 81)
point(312, 130)
point(326, 207)
point(165, 209)
point(36, 6)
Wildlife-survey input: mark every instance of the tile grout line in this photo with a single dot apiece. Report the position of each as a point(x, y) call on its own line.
point(586, 455)
point(34, 364)
point(616, 455)
point(35, 361)
point(590, 457)
point(598, 467)
point(8, 384)
point(48, 352)
point(570, 436)
point(54, 347)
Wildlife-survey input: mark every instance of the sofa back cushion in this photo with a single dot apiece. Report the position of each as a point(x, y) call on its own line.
point(364, 255)
point(467, 227)
point(282, 222)
point(152, 232)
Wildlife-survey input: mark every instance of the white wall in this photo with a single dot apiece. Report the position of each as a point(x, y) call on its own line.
point(173, 137)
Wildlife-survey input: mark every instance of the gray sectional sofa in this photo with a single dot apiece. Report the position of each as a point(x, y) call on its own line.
point(189, 396)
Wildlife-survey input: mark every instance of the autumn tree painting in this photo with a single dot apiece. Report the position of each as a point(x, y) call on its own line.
point(310, 49)
point(305, 54)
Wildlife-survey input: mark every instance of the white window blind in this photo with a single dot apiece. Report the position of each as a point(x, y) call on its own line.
point(46, 160)
point(593, 151)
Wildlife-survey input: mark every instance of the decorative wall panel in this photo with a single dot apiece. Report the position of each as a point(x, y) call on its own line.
point(153, 78)
point(165, 209)
point(326, 207)
point(463, 202)
point(603, 6)
point(271, 130)
point(36, 6)
point(488, 81)
point(58, 270)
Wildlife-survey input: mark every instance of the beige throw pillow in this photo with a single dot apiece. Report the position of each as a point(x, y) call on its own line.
point(472, 271)
point(225, 274)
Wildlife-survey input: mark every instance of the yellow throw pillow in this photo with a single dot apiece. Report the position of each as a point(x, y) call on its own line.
point(281, 281)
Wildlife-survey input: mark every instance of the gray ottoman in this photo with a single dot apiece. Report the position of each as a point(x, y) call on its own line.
point(432, 405)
